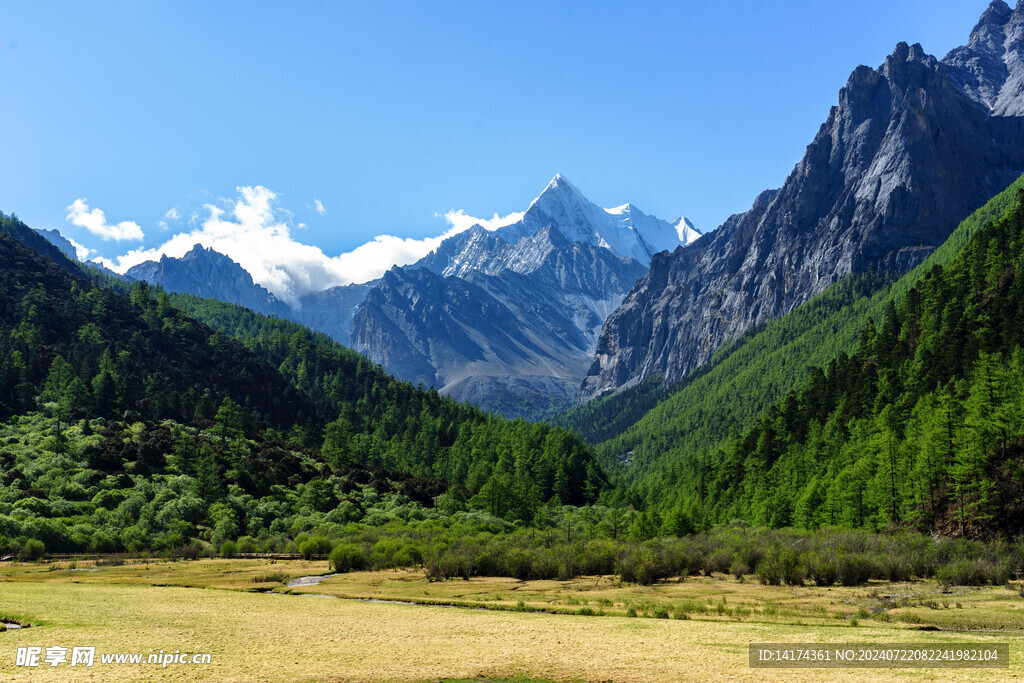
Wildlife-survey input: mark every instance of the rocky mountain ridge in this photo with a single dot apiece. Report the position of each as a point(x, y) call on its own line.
point(909, 150)
point(207, 273)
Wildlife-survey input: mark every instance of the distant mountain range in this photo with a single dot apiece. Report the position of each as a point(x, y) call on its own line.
point(506, 319)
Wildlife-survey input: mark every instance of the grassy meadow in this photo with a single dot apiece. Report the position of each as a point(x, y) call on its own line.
point(587, 629)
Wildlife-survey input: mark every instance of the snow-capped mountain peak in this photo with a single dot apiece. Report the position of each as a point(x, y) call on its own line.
point(624, 230)
point(684, 228)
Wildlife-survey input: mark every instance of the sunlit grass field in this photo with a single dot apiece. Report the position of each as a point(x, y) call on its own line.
point(590, 629)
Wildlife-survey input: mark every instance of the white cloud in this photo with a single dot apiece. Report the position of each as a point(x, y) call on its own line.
point(460, 220)
point(81, 251)
point(255, 232)
point(95, 221)
point(319, 207)
point(171, 215)
point(250, 231)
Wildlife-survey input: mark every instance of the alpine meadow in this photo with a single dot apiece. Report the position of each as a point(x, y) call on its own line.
point(304, 434)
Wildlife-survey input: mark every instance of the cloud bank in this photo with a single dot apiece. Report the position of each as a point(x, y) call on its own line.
point(82, 252)
point(460, 221)
point(95, 221)
point(253, 231)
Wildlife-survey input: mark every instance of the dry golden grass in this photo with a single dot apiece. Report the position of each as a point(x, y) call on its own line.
point(234, 574)
point(719, 598)
point(258, 637)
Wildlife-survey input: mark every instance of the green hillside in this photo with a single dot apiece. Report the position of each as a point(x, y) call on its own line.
point(131, 425)
point(391, 423)
point(95, 353)
point(750, 374)
point(919, 426)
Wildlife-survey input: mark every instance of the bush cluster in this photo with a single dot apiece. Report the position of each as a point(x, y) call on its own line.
point(474, 546)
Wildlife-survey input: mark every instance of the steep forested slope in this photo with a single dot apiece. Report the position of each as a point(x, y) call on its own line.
point(98, 353)
point(390, 423)
point(131, 425)
point(749, 375)
point(919, 426)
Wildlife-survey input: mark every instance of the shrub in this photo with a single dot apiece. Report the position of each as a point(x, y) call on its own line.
point(347, 557)
point(781, 565)
point(599, 558)
point(751, 554)
point(642, 565)
point(317, 545)
point(823, 568)
point(894, 567)
point(32, 551)
point(718, 561)
point(855, 570)
point(102, 542)
point(407, 556)
point(739, 569)
point(247, 544)
point(973, 573)
point(449, 565)
point(691, 562)
point(187, 552)
point(228, 549)
point(544, 566)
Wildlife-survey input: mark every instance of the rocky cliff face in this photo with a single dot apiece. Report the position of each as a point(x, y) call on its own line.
point(58, 240)
point(990, 68)
point(331, 311)
point(910, 150)
point(208, 273)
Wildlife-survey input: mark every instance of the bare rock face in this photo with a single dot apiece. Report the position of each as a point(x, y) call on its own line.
point(510, 327)
point(990, 68)
point(909, 151)
point(331, 311)
point(208, 273)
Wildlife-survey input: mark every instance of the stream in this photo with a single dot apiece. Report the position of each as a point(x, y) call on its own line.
point(304, 581)
point(307, 581)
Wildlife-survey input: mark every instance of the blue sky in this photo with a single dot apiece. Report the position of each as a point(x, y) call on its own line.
point(391, 114)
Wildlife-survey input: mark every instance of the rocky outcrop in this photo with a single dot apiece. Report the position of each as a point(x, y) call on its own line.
point(911, 148)
point(58, 240)
point(207, 273)
point(990, 68)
